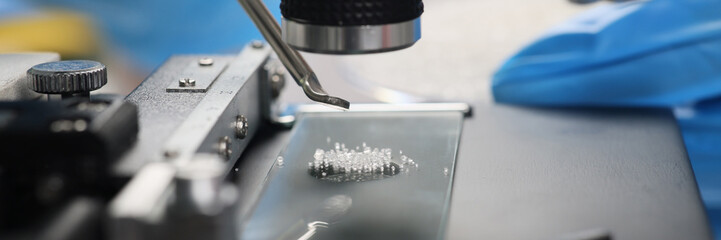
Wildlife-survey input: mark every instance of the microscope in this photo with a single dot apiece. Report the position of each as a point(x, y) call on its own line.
point(335, 27)
point(205, 148)
point(156, 163)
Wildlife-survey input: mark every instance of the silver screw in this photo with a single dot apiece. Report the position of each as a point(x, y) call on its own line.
point(224, 147)
point(80, 125)
point(241, 127)
point(205, 62)
point(277, 81)
point(170, 154)
point(186, 82)
point(257, 44)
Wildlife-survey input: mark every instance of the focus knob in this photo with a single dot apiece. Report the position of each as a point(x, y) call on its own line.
point(68, 78)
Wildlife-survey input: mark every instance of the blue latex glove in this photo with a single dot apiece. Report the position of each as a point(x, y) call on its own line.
point(663, 53)
point(149, 31)
point(701, 128)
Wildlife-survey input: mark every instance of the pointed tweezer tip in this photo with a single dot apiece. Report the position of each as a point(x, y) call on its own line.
point(338, 103)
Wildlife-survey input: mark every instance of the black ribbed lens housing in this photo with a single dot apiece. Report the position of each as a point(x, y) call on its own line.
point(351, 12)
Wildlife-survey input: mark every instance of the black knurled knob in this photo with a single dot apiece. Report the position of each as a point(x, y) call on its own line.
point(67, 77)
point(351, 12)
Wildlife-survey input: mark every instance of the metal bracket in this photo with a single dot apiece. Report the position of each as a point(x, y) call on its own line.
point(211, 126)
point(218, 126)
point(198, 76)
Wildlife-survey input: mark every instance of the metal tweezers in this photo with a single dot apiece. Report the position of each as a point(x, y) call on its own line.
point(293, 61)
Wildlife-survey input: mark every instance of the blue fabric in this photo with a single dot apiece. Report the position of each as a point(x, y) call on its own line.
point(148, 31)
point(661, 53)
point(701, 128)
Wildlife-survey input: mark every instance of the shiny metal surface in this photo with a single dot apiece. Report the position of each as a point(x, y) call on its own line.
point(386, 208)
point(293, 61)
point(351, 39)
